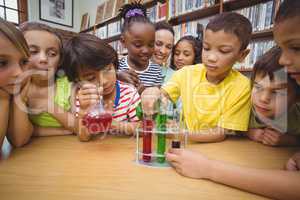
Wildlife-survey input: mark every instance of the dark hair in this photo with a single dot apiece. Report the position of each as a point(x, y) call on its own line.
point(133, 12)
point(288, 9)
point(163, 25)
point(86, 50)
point(268, 65)
point(36, 26)
point(14, 36)
point(197, 47)
point(233, 23)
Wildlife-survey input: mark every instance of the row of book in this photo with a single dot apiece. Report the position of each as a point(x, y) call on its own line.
point(179, 7)
point(257, 48)
point(190, 28)
point(260, 15)
point(117, 45)
point(109, 30)
point(158, 12)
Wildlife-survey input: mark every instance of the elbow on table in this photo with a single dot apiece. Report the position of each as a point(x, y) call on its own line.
point(18, 141)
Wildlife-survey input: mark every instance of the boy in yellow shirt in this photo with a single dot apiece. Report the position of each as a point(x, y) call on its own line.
point(215, 97)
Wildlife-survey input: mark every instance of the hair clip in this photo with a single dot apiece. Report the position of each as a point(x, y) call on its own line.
point(134, 12)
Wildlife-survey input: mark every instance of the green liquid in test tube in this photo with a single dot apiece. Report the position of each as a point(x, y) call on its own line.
point(161, 121)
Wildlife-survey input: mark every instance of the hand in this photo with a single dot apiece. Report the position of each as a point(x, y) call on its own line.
point(148, 99)
point(293, 164)
point(256, 134)
point(272, 137)
point(129, 76)
point(190, 164)
point(88, 95)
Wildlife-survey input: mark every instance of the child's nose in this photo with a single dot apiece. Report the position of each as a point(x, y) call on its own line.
point(285, 60)
point(17, 70)
point(265, 96)
point(212, 57)
point(43, 57)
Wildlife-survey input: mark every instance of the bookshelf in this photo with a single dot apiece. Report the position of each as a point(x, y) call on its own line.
point(185, 14)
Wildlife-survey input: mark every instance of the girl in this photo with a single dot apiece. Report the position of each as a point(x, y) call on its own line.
point(187, 51)
point(93, 62)
point(14, 54)
point(138, 35)
point(278, 184)
point(43, 89)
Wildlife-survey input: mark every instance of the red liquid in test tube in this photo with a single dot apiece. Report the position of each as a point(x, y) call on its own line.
point(147, 138)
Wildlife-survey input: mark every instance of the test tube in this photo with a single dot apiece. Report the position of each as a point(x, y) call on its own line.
point(147, 137)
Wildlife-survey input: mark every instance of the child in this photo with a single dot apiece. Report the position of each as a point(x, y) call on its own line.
point(215, 98)
point(278, 184)
point(287, 36)
point(93, 62)
point(187, 51)
point(43, 88)
point(273, 97)
point(14, 54)
point(138, 35)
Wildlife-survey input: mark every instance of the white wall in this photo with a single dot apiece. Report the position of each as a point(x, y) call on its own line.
point(90, 6)
point(80, 7)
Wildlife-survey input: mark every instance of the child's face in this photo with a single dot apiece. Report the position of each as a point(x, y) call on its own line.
point(271, 98)
point(139, 41)
point(44, 52)
point(11, 63)
point(164, 41)
point(184, 54)
point(220, 51)
point(105, 77)
point(287, 36)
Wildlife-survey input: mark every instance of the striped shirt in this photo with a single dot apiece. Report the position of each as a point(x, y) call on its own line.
point(151, 76)
point(126, 101)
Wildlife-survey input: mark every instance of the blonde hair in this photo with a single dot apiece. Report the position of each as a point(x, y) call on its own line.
point(15, 36)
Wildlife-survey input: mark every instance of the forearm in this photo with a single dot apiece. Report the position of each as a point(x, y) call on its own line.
point(209, 135)
point(48, 131)
point(67, 119)
point(277, 184)
point(20, 128)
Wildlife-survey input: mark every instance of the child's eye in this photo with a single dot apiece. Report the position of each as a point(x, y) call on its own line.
point(33, 52)
point(23, 62)
point(205, 48)
point(224, 51)
point(52, 53)
point(296, 49)
point(3, 63)
point(257, 87)
point(186, 54)
point(137, 45)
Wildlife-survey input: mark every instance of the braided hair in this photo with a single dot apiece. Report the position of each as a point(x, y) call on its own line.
point(133, 12)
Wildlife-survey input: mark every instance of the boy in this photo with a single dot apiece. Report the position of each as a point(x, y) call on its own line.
point(274, 95)
point(215, 98)
point(272, 183)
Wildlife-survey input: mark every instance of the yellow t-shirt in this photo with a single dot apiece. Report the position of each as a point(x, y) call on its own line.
point(206, 105)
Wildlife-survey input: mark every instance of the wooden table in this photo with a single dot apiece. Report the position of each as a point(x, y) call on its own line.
point(64, 168)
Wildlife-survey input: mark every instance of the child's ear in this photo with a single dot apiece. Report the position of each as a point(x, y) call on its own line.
point(243, 55)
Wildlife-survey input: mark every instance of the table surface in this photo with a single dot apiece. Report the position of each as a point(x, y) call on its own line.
point(61, 167)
